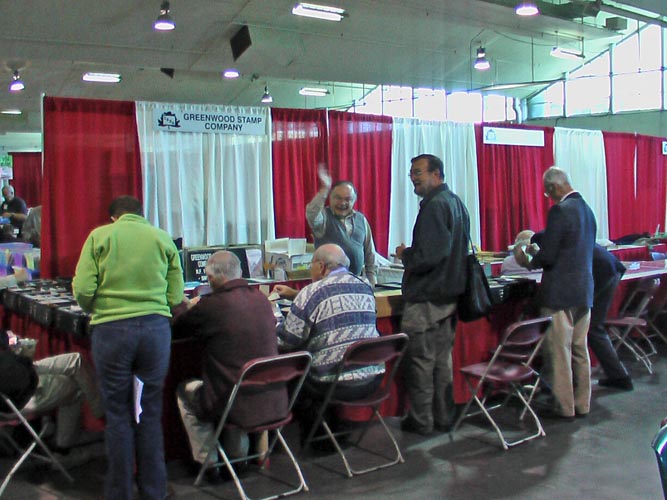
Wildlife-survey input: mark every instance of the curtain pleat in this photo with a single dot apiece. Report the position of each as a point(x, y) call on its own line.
point(91, 156)
point(651, 184)
point(299, 145)
point(360, 151)
point(510, 188)
point(620, 150)
point(27, 180)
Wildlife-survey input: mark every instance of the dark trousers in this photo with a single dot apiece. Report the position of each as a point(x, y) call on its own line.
point(598, 339)
point(122, 349)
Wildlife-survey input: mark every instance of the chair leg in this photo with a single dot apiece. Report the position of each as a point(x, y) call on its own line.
point(622, 339)
point(516, 391)
point(302, 486)
point(656, 330)
point(36, 441)
point(349, 470)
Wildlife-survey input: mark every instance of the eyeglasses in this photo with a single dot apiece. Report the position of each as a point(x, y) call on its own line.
point(416, 173)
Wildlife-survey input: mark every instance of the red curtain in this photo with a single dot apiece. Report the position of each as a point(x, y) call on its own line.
point(510, 188)
point(27, 180)
point(651, 188)
point(360, 151)
point(619, 151)
point(298, 146)
point(91, 156)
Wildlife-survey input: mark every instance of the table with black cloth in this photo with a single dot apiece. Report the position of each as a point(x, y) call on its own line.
point(35, 311)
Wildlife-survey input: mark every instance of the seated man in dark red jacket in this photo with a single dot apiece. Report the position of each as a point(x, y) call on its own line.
point(236, 324)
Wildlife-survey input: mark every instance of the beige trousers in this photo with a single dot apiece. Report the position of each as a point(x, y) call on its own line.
point(567, 366)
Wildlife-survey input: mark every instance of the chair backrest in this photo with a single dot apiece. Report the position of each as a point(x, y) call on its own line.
point(272, 373)
point(526, 332)
point(526, 335)
point(638, 299)
point(375, 351)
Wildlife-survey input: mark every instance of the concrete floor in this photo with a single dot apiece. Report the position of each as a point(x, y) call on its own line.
point(606, 456)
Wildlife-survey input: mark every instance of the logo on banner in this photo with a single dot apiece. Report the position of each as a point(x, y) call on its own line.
point(207, 121)
point(168, 120)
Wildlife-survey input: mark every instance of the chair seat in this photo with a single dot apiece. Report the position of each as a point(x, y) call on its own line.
point(500, 372)
point(263, 427)
point(372, 400)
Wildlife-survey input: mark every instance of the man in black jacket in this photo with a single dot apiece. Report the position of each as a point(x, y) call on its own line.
point(433, 279)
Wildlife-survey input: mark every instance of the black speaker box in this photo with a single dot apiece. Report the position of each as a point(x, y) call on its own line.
point(240, 42)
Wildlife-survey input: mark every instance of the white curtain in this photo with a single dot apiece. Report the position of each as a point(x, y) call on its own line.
point(454, 143)
point(208, 188)
point(581, 154)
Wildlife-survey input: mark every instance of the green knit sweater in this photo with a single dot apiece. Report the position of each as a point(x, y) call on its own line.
point(128, 269)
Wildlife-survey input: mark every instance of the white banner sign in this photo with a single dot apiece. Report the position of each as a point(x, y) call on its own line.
point(208, 122)
point(513, 136)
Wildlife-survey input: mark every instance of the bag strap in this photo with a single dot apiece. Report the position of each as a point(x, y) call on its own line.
point(465, 209)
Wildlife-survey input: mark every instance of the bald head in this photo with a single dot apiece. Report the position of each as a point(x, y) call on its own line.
point(524, 235)
point(332, 256)
point(222, 267)
point(8, 193)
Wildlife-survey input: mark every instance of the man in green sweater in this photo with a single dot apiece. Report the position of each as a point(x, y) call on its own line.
point(129, 276)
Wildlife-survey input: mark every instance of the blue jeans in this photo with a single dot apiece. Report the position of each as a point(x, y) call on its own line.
point(122, 349)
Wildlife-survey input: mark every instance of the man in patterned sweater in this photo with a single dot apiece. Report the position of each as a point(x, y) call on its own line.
point(336, 309)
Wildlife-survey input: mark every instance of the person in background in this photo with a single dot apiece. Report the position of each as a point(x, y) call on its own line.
point(335, 310)
point(510, 265)
point(13, 207)
point(129, 276)
point(61, 383)
point(236, 324)
point(339, 223)
point(565, 294)
point(433, 279)
point(32, 227)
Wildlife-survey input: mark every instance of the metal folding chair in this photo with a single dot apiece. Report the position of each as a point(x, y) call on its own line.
point(387, 350)
point(284, 372)
point(507, 374)
point(628, 329)
point(15, 419)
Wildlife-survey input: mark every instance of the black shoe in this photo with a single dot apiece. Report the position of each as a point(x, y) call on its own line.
point(409, 425)
point(623, 384)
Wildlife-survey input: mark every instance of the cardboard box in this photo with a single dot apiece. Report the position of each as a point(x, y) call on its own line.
point(288, 254)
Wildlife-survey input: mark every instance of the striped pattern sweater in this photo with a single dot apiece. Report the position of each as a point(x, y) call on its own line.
point(327, 316)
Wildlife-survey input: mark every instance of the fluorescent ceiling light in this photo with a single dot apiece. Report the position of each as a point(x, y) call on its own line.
point(318, 11)
point(11, 112)
point(313, 91)
point(567, 53)
point(101, 77)
point(526, 9)
point(231, 73)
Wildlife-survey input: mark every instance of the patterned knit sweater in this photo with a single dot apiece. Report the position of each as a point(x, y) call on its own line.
point(327, 316)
